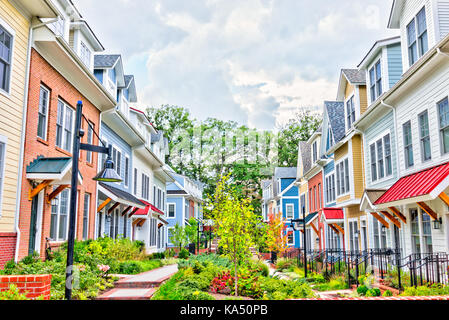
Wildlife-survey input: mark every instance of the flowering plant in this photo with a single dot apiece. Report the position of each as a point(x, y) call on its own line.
point(103, 268)
point(220, 284)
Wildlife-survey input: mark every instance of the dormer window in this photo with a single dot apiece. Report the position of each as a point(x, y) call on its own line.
point(314, 152)
point(417, 39)
point(85, 54)
point(350, 112)
point(375, 76)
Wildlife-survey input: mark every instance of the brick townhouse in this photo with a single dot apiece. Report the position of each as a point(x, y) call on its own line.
point(61, 74)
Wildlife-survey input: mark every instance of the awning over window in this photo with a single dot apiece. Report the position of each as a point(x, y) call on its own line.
point(148, 207)
point(120, 196)
point(422, 186)
point(333, 215)
point(58, 170)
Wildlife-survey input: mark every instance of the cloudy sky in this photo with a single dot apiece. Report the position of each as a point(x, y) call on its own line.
point(252, 61)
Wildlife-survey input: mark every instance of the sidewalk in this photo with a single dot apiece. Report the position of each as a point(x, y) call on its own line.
point(141, 286)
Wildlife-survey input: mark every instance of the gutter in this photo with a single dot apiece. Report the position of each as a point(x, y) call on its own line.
point(22, 138)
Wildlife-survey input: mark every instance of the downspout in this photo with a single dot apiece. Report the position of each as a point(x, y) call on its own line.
point(22, 139)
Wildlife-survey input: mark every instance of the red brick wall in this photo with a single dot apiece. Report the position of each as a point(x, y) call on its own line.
point(7, 247)
point(43, 73)
point(32, 285)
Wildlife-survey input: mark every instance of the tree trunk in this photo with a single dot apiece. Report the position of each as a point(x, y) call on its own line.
point(236, 279)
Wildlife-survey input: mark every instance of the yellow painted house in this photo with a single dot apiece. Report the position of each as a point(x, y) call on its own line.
point(348, 159)
point(16, 18)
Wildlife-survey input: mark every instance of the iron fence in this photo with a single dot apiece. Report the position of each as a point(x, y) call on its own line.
point(387, 264)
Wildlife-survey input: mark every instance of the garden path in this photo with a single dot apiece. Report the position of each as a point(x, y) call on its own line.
point(141, 286)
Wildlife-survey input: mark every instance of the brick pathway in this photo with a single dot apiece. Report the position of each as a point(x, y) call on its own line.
point(141, 286)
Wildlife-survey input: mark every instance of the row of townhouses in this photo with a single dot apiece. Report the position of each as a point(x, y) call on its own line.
point(375, 175)
point(49, 60)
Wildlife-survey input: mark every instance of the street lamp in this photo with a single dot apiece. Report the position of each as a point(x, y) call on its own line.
point(108, 174)
point(296, 225)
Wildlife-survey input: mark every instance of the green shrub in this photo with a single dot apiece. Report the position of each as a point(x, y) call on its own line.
point(183, 254)
point(375, 292)
point(130, 267)
point(12, 294)
point(285, 264)
point(362, 290)
point(387, 293)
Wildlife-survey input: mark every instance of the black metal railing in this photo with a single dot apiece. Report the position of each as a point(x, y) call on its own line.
point(386, 264)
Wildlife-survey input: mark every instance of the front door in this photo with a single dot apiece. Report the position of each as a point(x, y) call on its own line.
point(33, 225)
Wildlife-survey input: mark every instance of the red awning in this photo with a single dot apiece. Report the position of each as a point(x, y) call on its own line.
point(420, 184)
point(333, 213)
point(149, 206)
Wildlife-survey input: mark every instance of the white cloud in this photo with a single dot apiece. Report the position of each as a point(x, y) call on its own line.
point(252, 61)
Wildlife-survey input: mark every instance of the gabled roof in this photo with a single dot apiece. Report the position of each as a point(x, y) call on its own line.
point(285, 172)
point(376, 48)
point(120, 196)
point(105, 60)
point(336, 113)
point(354, 76)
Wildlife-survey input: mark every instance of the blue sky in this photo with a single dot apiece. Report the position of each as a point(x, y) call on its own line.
point(252, 61)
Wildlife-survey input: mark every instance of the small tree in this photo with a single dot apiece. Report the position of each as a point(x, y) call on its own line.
point(234, 220)
point(276, 235)
point(179, 237)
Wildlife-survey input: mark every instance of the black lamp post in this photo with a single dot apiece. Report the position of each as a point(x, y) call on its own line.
point(296, 225)
point(108, 174)
point(198, 237)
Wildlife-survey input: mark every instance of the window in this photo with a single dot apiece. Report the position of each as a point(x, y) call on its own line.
point(6, 40)
point(126, 171)
point(417, 39)
point(59, 216)
point(90, 140)
point(315, 198)
point(171, 210)
point(443, 111)
point(387, 149)
point(380, 159)
point(86, 216)
point(145, 187)
point(159, 198)
point(319, 196)
point(421, 237)
point(170, 231)
point(373, 162)
point(135, 181)
point(350, 112)
point(424, 135)
point(44, 99)
point(154, 195)
point(290, 208)
point(416, 242)
point(290, 238)
point(153, 230)
point(85, 54)
point(353, 239)
point(64, 126)
point(117, 158)
point(427, 232)
point(343, 177)
point(379, 233)
point(163, 201)
point(315, 152)
point(303, 204)
point(408, 144)
point(330, 188)
point(375, 75)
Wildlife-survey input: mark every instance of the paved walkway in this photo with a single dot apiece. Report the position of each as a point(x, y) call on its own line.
point(141, 286)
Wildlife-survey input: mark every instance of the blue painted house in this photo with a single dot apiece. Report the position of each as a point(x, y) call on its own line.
point(184, 201)
point(284, 197)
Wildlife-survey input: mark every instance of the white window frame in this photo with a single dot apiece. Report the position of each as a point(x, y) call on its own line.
point(349, 125)
point(42, 87)
point(88, 215)
point(174, 210)
point(66, 107)
point(372, 142)
point(145, 178)
point(12, 33)
point(117, 150)
point(338, 177)
point(406, 147)
point(287, 206)
point(4, 143)
point(135, 180)
point(377, 85)
point(58, 214)
point(126, 168)
point(329, 189)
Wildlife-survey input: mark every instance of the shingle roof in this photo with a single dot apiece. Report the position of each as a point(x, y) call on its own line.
point(105, 60)
point(336, 113)
point(128, 79)
point(305, 156)
point(285, 172)
point(121, 194)
point(355, 76)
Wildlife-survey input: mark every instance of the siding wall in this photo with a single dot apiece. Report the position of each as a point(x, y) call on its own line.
point(357, 166)
point(443, 17)
point(11, 110)
point(394, 64)
point(375, 131)
point(363, 99)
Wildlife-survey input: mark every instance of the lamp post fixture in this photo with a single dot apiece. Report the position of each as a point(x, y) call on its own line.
point(108, 174)
point(296, 225)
